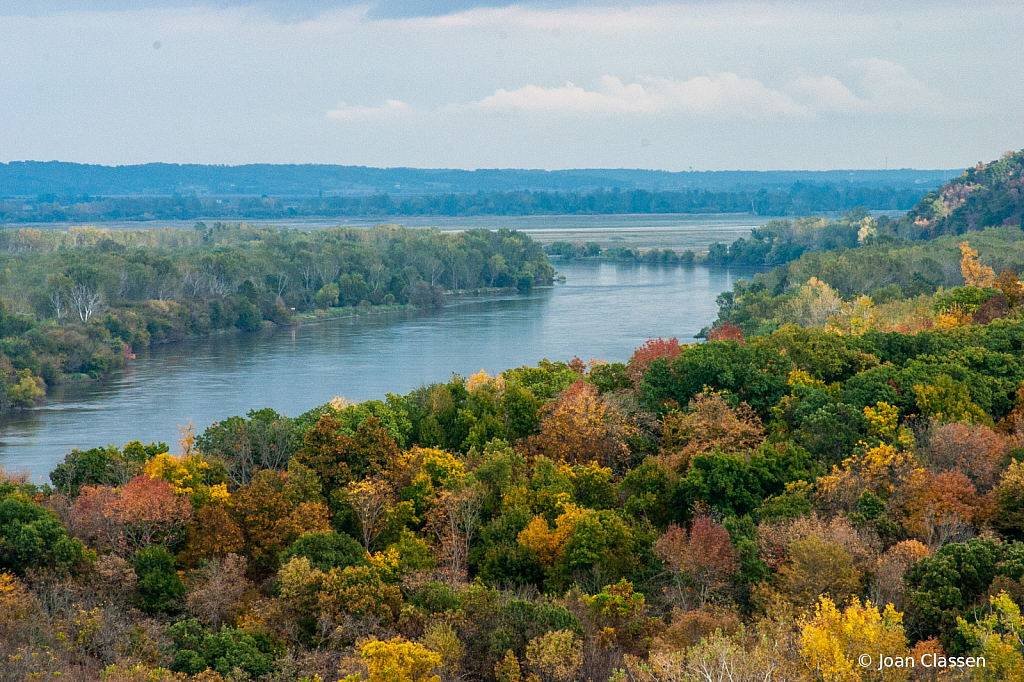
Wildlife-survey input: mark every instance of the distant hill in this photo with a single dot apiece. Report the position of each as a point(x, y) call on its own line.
point(31, 179)
point(988, 195)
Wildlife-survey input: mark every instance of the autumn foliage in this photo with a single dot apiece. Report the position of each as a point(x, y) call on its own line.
point(764, 506)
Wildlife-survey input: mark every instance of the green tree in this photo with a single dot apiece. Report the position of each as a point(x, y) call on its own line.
point(735, 484)
point(947, 585)
point(327, 550)
point(32, 537)
point(160, 587)
point(755, 374)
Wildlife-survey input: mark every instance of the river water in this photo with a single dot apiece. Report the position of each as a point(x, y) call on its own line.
point(602, 310)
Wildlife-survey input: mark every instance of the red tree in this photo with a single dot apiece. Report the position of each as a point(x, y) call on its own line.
point(146, 511)
point(651, 351)
point(727, 332)
point(700, 560)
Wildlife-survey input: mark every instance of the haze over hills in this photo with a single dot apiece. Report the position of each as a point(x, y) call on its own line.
point(30, 179)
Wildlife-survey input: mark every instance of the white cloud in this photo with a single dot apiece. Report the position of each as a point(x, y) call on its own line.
point(390, 108)
point(824, 93)
point(726, 94)
point(891, 86)
point(883, 86)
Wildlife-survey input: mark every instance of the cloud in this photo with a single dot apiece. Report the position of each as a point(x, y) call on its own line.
point(884, 86)
point(824, 93)
point(390, 108)
point(726, 94)
point(891, 85)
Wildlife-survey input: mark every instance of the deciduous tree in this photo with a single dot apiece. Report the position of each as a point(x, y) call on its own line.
point(371, 499)
point(832, 641)
point(580, 428)
point(700, 560)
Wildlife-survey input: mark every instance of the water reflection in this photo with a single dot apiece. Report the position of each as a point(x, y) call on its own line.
point(601, 311)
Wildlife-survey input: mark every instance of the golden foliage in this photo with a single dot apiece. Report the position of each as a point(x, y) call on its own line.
point(549, 544)
point(831, 642)
point(952, 317)
point(398, 660)
point(186, 474)
point(975, 274)
point(883, 421)
point(484, 380)
point(882, 470)
point(339, 403)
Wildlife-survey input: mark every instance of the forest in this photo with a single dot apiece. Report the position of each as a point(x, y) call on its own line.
point(800, 199)
point(28, 180)
point(74, 304)
point(836, 472)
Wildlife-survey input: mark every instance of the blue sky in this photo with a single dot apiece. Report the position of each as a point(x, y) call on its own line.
point(710, 85)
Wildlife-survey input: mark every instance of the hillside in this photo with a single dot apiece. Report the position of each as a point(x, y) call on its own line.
point(897, 273)
point(984, 196)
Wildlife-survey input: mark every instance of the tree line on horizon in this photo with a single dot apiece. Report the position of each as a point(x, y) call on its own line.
point(799, 199)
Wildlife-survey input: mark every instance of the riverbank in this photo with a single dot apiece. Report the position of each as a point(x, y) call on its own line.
point(603, 311)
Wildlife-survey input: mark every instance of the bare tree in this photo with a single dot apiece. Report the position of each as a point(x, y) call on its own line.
point(281, 280)
point(435, 269)
point(192, 280)
point(59, 301)
point(378, 273)
point(309, 275)
point(454, 520)
point(221, 585)
point(219, 285)
point(328, 268)
point(85, 299)
point(371, 499)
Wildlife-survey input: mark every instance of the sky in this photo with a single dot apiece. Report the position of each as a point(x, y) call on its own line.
point(711, 85)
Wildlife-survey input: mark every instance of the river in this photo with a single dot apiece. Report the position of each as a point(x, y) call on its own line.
point(602, 310)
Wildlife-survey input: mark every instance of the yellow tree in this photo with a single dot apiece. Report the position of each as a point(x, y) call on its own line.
point(398, 660)
point(883, 470)
point(975, 274)
point(833, 642)
point(547, 543)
